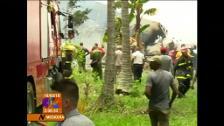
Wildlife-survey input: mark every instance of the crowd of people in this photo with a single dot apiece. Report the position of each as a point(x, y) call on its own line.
point(72, 51)
point(170, 66)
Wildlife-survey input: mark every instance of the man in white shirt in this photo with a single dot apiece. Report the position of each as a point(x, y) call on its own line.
point(70, 96)
point(138, 60)
point(118, 55)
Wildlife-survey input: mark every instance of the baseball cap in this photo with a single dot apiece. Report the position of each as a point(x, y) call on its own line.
point(163, 50)
point(155, 59)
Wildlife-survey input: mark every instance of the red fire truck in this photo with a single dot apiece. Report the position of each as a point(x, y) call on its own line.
point(43, 49)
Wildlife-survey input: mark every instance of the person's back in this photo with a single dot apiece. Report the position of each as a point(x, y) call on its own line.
point(166, 63)
point(161, 81)
point(118, 54)
point(138, 57)
point(76, 119)
point(157, 91)
point(138, 60)
point(69, 91)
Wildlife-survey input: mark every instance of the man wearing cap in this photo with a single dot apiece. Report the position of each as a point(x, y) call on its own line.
point(183, 71)
point(157, 91)
point(166, 60)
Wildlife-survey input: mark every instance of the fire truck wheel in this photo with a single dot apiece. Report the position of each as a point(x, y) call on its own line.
point(30, 98)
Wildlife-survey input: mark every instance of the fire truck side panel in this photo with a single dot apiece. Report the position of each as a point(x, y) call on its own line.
point(33, 31)
point(35, 67)
point(44, 30)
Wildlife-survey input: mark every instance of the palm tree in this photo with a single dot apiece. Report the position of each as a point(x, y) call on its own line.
point(126, 79)
point(107, 96)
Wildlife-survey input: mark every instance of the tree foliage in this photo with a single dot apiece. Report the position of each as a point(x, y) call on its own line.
point(136, 9)
point(151, 11)
point(78, 16)
point(143, 28)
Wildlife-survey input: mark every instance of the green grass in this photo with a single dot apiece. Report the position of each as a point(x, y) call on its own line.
point(129, 110)
point(183, 113)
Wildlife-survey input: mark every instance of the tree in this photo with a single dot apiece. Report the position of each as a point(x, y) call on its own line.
point(137, 7)
point(77, 17)
point(126, 74)
point(117, 33)
point(107, 96)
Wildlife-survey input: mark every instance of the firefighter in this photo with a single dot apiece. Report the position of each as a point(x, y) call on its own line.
point(179, 53)
point(96, 63)
point(68, 49)
point(183, 71)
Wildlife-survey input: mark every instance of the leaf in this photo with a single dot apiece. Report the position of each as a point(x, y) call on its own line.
point(131, 5)
point(151, 11)
point(144, 27)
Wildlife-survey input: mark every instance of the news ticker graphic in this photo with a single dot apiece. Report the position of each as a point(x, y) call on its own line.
point(45, 117)
point(52, 109)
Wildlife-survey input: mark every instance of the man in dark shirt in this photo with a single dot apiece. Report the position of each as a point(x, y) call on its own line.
point(82, 58)
point(157, 91)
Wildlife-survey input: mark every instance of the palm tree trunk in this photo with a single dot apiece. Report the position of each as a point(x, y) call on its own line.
point(107, 95)
point(126, 73)
point(138, 24)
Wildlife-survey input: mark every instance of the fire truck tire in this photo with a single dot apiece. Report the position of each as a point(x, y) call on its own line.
point(30, 98)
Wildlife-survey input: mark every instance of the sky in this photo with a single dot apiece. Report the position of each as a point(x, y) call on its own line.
point(179, 18)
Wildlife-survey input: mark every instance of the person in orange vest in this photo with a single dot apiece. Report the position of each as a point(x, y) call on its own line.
point(96, 63)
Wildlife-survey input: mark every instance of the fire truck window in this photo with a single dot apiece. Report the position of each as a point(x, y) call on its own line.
point(53, 23)
point(52, 18)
